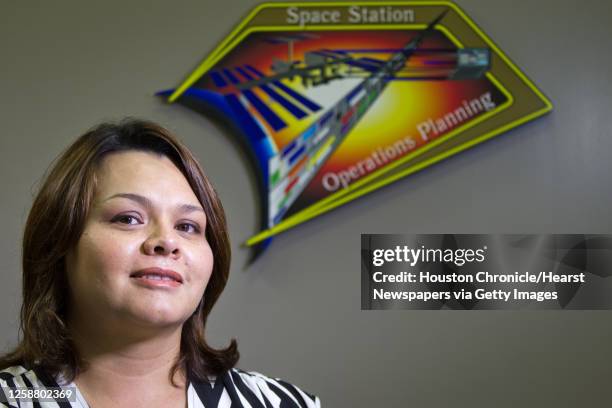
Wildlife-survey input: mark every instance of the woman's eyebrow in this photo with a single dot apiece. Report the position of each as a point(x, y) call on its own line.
point(145, 202)
point(187, 208)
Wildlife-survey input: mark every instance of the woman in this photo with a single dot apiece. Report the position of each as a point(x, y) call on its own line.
point(125, 253)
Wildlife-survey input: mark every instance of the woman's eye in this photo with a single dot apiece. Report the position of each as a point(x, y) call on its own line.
point(188, 227)
point(126, 219)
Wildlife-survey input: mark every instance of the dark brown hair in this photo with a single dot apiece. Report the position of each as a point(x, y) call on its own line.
point(55, 225)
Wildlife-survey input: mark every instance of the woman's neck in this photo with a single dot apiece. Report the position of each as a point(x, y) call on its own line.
point(129, 369)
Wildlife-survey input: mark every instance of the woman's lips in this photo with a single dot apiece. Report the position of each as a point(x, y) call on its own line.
point(157, 277)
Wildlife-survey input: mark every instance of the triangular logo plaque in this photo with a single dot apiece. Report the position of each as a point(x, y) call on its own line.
point(335, 100)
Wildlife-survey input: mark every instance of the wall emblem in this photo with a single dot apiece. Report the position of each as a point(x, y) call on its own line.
point(333, 101)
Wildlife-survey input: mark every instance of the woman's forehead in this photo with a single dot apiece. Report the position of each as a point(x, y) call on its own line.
point(143, 173)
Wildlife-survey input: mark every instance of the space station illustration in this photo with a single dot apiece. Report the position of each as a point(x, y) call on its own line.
point(330, 112)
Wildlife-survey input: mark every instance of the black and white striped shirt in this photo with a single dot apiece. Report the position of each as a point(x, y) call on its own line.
point(235, 389)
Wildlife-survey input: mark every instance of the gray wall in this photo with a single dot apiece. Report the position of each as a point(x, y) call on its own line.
point(296, 313)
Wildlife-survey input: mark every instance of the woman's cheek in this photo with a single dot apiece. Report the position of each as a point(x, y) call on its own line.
point(106, 252)
point(199, 260)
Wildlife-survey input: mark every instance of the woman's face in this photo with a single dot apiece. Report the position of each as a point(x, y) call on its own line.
point(143, 258)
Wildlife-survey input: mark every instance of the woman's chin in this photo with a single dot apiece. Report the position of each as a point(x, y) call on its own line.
point(157, 317)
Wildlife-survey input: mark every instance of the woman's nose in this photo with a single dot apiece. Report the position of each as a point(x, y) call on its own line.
point(161, 241)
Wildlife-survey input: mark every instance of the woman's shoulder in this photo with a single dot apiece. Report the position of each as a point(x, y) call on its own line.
point(260, 390)
point(235, 385)
point(19, 373)
point(20, 376)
